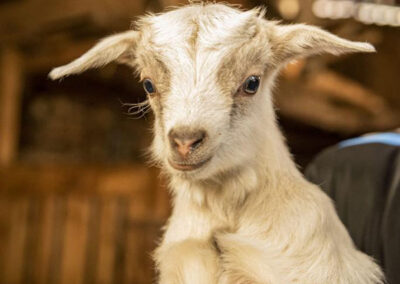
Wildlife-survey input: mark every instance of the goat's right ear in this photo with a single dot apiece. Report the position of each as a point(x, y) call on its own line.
point(293, 41)
point(117, 47)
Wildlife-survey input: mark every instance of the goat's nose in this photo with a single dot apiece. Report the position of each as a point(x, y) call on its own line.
point(184, 142)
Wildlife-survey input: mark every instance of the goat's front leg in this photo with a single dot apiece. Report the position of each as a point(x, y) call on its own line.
point(244, 261)
point(188, 262)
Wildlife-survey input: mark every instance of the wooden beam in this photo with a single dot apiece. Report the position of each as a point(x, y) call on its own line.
point(11, 80)
point(60, 53)
point(41, 179)
point(343, 89)
point(304, 102)
point(51, 17)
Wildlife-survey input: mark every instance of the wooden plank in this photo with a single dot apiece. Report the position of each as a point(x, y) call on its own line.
point(121, 226)
point(124, 180)
point(153, 235)
point(75, 241)
point(107, 238)
point(58, 221)
point(16, 242)
point(136, 254)
point(42, 262)
point(33, 233)
point(43, 179)
point(141, 241)
point(147, 210)
point(92, 248)
point(5, 230)
point(11, 80)
point(146, 217)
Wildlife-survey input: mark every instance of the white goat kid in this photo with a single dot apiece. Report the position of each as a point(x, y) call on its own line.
point(242, 211)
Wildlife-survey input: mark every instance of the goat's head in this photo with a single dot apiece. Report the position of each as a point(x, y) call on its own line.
point(208, 71)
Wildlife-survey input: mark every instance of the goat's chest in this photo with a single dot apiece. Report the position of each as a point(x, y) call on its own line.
point(197, 222)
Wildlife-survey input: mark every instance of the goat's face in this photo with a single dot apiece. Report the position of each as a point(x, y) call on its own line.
point(208, 71)
point(203, 76)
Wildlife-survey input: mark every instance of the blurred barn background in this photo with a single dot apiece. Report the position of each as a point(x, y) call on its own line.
point(78, 204)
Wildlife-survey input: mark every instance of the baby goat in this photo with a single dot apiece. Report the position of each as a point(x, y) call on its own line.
point(242, 213)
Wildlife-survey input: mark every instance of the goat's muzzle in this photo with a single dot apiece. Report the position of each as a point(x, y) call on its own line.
point(186, 145)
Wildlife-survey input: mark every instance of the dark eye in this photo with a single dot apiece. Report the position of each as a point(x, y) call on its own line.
point(149, 86)
point(251, 85)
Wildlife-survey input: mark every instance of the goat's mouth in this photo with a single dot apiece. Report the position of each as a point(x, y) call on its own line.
point(187, 167)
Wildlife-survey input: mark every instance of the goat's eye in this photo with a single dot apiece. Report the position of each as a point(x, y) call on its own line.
point(251, 85)
point(149, 86)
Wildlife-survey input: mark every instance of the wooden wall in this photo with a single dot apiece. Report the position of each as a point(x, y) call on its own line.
point(75, 225)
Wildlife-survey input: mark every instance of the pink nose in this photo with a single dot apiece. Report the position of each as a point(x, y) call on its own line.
point(184, 146)
point(184, 142)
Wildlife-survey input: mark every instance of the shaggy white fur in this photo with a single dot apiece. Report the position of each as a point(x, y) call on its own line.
point(242, 213)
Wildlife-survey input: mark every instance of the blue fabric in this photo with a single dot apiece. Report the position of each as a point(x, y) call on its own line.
point(388, 138)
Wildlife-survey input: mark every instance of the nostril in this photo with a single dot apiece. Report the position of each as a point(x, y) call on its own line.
point(196, 143)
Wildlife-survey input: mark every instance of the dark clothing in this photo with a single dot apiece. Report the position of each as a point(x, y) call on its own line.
point(362, 176)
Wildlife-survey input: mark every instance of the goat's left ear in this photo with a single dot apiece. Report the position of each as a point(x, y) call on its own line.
point(292, 41)
point(117, 47)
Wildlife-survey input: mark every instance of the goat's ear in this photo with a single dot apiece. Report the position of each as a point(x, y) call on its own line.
point(292, 41)
point(117, 47)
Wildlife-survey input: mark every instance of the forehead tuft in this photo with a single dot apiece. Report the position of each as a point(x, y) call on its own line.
point(213, 25)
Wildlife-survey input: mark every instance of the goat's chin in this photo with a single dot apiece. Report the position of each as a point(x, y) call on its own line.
point(199, 171)
point(209, 170)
